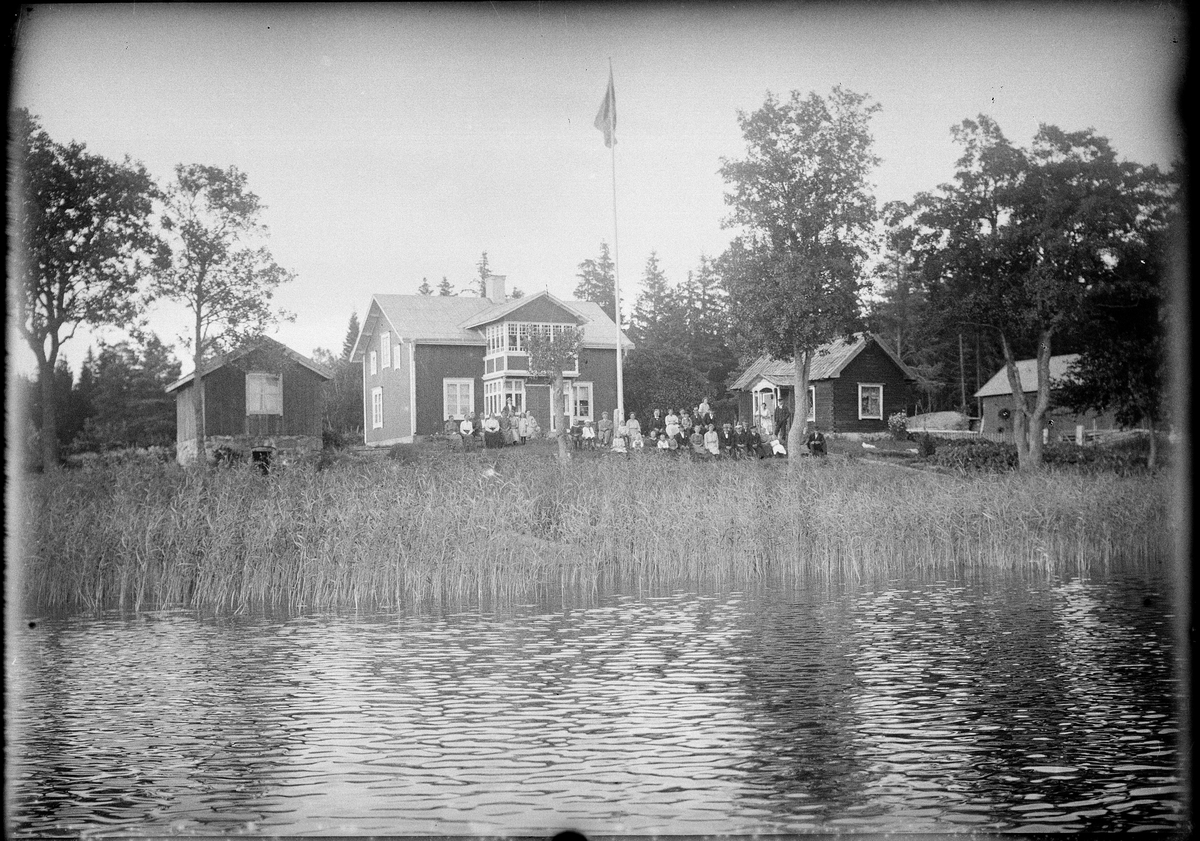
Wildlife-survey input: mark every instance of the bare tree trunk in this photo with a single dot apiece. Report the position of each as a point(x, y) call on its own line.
point(1042, 404)
point(795, 440)
point(557, 400)
point(1020, 409)
point(49, 429)
point(198, 393)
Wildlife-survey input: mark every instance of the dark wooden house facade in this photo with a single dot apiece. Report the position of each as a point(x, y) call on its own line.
point(427, 358)
point(854, 385)
point(1062, 424)
point(264, 396)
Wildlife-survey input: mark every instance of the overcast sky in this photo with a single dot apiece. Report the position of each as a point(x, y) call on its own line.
point(392, 143)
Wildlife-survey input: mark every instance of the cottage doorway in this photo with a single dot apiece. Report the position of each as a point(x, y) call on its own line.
point(537, 403)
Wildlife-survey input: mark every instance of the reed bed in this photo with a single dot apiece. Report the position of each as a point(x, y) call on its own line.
point(439, 530)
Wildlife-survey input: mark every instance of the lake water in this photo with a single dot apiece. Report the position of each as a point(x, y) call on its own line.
point(914, 708)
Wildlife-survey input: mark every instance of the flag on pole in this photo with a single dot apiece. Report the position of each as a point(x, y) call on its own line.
point(606, 117)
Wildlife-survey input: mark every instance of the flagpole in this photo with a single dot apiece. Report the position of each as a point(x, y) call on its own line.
point(617, 279)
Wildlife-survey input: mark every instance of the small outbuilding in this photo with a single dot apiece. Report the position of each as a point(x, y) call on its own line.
point(854, 385)
point(995, 404)
point(260, 399)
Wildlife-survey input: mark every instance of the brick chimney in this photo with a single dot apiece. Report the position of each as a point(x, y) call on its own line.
point(493, 285)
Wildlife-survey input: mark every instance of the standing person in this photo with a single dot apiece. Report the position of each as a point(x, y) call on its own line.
point(466, 431)
point(505, 421)
point(633, 429)
point(712, 441)
point(523, 427)
point(783, 419)
point(605, 431)
point(766, 419)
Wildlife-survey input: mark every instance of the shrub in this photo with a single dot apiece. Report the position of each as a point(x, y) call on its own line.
point(926, 446)
point(898, 424)
point(982, 455)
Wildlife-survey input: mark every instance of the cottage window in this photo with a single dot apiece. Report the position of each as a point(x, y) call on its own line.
point(812, 403)
point(264, 394)
point(396, 355)
point(377, 408)
point(513, 334)
point(374, 366)
point(385, 350)
point(582, 400)
point(458, 398)
point(870, 401)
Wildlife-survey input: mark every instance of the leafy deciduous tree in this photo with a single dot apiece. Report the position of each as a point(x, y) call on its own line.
point(804, 206)
point(82, 229)
point(550, 353)
point(217, 266)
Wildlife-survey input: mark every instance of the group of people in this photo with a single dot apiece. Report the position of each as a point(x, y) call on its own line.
point(494, 430)
point(697, 434)
point(693, 432)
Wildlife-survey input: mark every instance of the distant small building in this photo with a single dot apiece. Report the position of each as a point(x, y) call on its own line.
point(427, 358)
point(264, 397)
point(995, 403)
point(854, 385)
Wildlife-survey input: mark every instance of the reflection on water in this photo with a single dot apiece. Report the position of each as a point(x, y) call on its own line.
point(917, 708)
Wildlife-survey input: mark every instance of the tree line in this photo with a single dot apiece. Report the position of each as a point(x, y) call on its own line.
point(1028, 252)
point(1057, 247)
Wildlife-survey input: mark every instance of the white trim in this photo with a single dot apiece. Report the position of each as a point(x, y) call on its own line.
point(373, 356)
point(577, 386)
point(387, 442)
point(812, 403)
point(470, 383)
point(385, 349)
point(861, 386)
point(377, 407)
point(412, 390)
point(365, 406)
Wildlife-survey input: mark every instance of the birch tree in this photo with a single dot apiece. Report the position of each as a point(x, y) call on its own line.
point(218, 267)
point(550, 353)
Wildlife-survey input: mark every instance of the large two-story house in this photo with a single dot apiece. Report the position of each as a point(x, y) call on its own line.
point(427, 358)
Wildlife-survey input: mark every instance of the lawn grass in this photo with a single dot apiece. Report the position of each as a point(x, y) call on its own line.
point(437, 527)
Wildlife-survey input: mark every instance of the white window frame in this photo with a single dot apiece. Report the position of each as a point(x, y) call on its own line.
point(577, 387)
point(385, 350)
point(493, 397)
point(514, 388)
point(260, 400)
point(396, 348)
point(373, 360)
point(458, 382)
point(861, 388)
point(812, 403)
point(377, 407)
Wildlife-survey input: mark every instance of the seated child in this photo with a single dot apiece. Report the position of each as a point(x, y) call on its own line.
point(618, 443)
point(589, 434)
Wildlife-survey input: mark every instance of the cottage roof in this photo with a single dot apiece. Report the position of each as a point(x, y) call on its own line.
point(998, 385)
point(827, 364)
point(452, 320)
point(263, 342)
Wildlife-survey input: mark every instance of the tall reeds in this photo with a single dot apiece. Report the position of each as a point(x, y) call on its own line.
point(443, 530)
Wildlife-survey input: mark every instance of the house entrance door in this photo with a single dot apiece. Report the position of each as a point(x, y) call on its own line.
point(537, 403)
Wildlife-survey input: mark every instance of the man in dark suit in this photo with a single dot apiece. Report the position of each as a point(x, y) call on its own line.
point(783, 420)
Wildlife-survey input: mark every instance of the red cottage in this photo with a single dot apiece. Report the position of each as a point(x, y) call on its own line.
point(853, 385)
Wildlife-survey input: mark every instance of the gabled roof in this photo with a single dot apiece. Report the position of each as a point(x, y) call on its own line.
point(998, 385)
point(233, 355)
point(500, 311)
point(454, 320)
point(827, 363)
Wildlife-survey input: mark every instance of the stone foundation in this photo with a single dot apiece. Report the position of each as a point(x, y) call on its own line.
point(284, 446)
